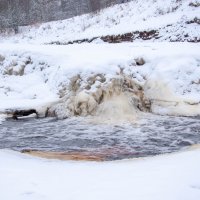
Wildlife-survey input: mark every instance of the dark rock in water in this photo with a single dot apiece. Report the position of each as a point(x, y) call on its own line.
point(22, 113)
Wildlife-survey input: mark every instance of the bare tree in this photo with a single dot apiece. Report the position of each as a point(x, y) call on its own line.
point(14, 13)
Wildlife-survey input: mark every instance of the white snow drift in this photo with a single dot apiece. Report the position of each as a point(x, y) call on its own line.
point(169, 177)
point(170, 76)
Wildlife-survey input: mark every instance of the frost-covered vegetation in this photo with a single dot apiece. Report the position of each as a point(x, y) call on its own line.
point(36, 11)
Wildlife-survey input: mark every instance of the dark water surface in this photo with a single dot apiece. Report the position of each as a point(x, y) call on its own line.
point(151, 135)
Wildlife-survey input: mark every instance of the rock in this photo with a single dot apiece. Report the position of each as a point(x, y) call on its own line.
point(17, 70)
point(194, 4)
point(84, 104)
point(91, 80)
point(2, 58)
point(75, 83)
point(140, 61)
point(87, 87)
point(21, 113)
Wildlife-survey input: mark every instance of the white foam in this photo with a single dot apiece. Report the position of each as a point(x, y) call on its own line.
point(2, 118)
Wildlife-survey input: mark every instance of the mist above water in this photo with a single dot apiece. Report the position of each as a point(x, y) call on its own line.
point(116, 110)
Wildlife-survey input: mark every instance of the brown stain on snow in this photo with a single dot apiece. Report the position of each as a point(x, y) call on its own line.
point(101, 155)
point(78, 156)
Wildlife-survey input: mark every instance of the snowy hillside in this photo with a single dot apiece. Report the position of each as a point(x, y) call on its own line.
point(154, 20)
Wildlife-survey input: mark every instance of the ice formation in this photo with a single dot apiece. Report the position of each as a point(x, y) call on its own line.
point(118, 98)
point(119, 82)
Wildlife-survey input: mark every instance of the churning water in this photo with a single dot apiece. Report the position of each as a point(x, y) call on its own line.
point(150, 135)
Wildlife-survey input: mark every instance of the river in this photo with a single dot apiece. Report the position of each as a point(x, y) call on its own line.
point(150, 135)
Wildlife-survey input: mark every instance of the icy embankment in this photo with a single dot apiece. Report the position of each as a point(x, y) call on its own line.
point(173, 21)
point(175, 86)
point(84, 79)
point(164, 177)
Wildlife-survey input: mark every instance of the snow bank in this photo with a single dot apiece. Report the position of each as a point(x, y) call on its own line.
point(174, 20)
point(80, 78)
point(174, 87)
point(173, 177)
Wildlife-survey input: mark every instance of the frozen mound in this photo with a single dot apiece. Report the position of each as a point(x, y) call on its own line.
point(22, 83)
point(116, 98)
point(107, 81)
point(174, 87)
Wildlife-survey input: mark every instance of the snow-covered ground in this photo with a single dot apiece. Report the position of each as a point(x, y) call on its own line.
point(39, 76)
point(169, 177)
point(35, 75)
point(174, 20)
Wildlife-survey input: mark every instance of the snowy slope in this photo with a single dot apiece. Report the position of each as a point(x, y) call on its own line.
point(173, 20)
point(169, 177)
